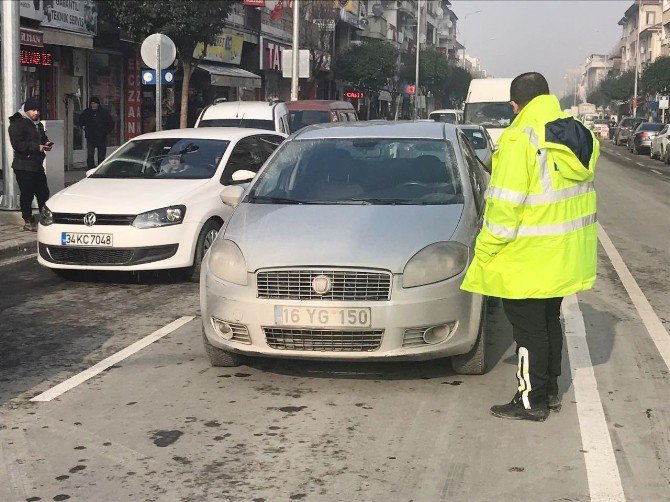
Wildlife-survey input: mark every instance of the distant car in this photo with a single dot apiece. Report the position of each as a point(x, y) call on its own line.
point(481, 142)
point(252, 114)
point(640, 139)
point(588, 119)
point(309, 112)
point(623, 130)
point(447, 116)
point(153, 204)
point(324, 258)
point(660, 145)
point(601, 127)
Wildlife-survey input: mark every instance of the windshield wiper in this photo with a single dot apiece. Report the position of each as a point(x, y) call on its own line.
point(263, 199)
point(390, 202)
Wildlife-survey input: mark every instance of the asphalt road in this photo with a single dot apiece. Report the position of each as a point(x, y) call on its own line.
point(162, 424)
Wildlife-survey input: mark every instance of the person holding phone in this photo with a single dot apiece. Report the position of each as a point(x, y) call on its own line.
point(30, 144)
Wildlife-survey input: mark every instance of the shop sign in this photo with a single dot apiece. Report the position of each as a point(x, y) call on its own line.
point(226, 48)
point(133, 98)
point(31, 9)
point(255, 3)
point(35, 58)
point(354, 94)
point(32, 37)
point(273, 56)
point(71, 15)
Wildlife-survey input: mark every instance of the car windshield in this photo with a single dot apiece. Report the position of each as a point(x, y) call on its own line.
point(489, 114)
point(601, 121)
point(448, 117)
point(302, 118)
point(241, 122)
point(650, 127)
point(360, 171)
point(477, 138)
point(164, 158)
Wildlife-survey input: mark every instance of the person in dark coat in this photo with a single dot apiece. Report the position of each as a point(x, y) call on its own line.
point(30, 142)
point(97, 124)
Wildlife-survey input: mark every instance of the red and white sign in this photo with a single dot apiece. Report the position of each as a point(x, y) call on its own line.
point(133, 98)
point(33, 38)
point(273, 56)
point(35, 58)
point(255, 3)
point(354, 94)
point(411, 89)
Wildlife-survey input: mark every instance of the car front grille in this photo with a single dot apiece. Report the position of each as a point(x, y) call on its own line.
point(240, 332)
point(413, 337)
point(346, 284)
point(105, 256)
point(321, 340)
point(100, 219)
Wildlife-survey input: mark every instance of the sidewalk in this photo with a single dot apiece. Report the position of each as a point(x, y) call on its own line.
point(16, 242)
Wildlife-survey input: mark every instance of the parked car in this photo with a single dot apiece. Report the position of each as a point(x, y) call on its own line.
point(623, 130)
point(309, 112)
point(601, 128)
point(323, 257)
point(481, 142)
point(448, 116)
point(660, 145)
point(153, 204)
point(252, 114)
point(640, 139)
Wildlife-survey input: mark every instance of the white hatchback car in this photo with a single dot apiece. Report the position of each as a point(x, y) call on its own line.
point(660, 145)
point(253, 114)
point(153, 204)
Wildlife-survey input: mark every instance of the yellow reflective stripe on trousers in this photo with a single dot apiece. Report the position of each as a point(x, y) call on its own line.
point(541, 230)
point(541, 198)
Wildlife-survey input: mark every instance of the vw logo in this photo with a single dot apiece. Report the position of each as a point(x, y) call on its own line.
point(321, 284)
point(89, 219)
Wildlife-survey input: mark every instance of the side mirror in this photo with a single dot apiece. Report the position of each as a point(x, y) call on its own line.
point(231, 195)
point(90, 171)
point(243, 175)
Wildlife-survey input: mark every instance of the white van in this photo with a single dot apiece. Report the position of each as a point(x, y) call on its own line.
point(448, 116)
point(248, 114)
point(488, 105)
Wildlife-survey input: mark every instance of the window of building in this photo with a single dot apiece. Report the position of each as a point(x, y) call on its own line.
point(106, 82)
point(651, 18)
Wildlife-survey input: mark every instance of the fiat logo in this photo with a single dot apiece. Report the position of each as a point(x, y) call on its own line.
point(89, 219)
point(321, 284)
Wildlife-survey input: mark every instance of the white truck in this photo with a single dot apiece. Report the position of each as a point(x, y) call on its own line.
point(488, 104)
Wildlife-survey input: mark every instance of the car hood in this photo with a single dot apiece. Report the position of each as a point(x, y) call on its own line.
point(116, 196)
point(374, 236)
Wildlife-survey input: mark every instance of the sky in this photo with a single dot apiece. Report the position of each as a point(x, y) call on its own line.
point(550, 36)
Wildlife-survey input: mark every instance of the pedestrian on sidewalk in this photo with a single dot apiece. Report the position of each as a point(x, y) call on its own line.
point(30, 142)
point(97, 124)
point(538, 243)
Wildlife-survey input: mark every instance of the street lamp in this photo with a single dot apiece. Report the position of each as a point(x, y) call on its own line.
point(464, 19)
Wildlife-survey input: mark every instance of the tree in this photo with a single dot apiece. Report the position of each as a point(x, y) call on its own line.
point(457, 84)
point(187, 22)
point(317, 36)
point(656, 76)
point(369, 64)
point(433, 71)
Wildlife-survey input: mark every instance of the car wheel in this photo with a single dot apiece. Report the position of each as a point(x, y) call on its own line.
point(219, 357)
point(67, 274)
point(206, 237)
point(666, 159)
point(474, 362)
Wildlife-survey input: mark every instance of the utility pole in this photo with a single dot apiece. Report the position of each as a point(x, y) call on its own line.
point(296, 49)
point(418, 49)
point(637, 58)
point(10, 96)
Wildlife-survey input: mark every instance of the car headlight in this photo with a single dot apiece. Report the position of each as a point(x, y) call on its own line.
point(226, 261)
point(46, 216)
point(162, 217)
point(435, 263)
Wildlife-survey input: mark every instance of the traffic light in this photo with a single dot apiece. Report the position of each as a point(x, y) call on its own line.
point(411, 88)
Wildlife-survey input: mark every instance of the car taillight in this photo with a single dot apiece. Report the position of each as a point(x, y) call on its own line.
point(643, 134)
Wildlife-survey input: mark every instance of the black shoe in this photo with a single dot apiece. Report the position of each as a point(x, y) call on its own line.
point(514, 410)
point(553, 399)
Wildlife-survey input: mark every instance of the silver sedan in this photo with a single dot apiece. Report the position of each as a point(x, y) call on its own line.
point(351, 244)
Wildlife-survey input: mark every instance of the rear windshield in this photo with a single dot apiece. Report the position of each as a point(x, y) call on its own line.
point(360, 171)
point(449, 117)
point(165, 158)
point(302, 118)
point(650, 127)
point(489, 114)
point(242, 122)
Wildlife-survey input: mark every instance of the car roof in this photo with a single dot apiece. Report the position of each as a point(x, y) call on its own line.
point(319, 104)
point(469, 126)
point(235, 109)
point(447, 110)
point(379, 129)
point(224, 133)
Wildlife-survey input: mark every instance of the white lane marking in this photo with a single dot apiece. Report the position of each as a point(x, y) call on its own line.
point(644, 309)
point(80, 378)
point(640, 164)
point(657, 172)
point(601, 467)
point(17, 259)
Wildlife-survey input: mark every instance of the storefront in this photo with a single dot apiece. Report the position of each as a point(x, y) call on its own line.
point(38, 72)
point(275, 86)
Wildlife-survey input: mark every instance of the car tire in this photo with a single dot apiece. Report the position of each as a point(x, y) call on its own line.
point(474, 362)
point(67, 274)
point(221, 358)
point(206, 237)
point(667, 155)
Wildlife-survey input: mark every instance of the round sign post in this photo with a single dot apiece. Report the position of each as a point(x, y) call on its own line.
point(158, 51)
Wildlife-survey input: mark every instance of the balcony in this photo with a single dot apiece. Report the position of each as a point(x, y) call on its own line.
point(407, 7)
point(377, 27)
point(281, 28)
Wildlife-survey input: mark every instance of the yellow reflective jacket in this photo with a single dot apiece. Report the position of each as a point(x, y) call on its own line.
point(539, 237)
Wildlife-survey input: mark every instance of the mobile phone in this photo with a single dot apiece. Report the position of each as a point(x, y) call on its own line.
point(50, 143)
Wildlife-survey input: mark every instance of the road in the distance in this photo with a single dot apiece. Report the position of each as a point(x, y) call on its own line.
point(164, 425)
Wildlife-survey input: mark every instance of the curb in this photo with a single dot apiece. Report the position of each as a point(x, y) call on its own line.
point(18, 247)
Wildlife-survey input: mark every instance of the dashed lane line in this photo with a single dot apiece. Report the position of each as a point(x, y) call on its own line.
point(657, 172)
point(601, 467)
point(640, 164)
point(651, 321)
point(94, 370)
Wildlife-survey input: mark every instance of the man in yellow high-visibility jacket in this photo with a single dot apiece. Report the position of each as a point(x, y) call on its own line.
point(539, 239)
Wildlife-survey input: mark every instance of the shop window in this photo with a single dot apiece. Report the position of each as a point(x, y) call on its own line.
point(106, 82)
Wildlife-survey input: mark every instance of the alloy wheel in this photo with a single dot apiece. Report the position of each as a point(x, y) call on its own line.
point(209, 240)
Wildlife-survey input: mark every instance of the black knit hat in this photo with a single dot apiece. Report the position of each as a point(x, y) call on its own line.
point(94, 99)
point(32, 104)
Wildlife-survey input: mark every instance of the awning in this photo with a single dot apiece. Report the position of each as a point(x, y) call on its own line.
point(231, 76)
point(67, 38)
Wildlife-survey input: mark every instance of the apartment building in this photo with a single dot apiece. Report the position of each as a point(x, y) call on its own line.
point(665, 20)
point(595, 70)
point(642, 33)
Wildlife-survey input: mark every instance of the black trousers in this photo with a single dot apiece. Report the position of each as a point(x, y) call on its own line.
point(536, 326)
point(91, 147)
point(31, 184)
